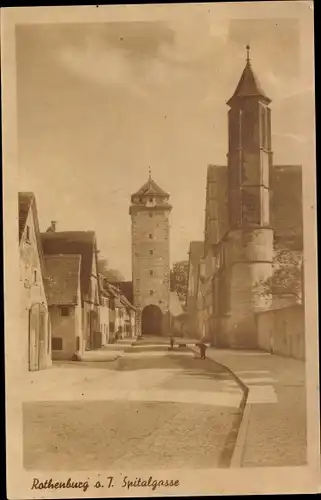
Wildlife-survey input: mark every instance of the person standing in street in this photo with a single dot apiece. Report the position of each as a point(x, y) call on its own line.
point(203, 350)
point(172, 342)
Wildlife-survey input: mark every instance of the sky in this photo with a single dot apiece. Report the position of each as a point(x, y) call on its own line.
point(99, 103)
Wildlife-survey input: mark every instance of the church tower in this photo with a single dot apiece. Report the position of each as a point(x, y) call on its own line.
point(249, 154)
point(250, 237)
point(149, 211)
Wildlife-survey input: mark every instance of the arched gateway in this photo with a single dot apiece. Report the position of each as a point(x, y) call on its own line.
point(152, 320)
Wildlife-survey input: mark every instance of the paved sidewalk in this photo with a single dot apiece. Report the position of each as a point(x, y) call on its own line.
point(273, 431)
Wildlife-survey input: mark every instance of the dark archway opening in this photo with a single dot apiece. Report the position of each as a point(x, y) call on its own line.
point(152, 320)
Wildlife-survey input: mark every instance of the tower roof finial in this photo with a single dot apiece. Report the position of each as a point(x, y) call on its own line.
point(149, 173)
point(248, 48)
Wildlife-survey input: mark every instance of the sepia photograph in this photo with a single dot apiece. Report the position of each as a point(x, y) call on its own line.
point(161, 318)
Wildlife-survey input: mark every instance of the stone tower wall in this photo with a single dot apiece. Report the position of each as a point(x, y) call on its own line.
point(150, 258)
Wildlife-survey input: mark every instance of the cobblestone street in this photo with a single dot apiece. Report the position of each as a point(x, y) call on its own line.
point(150, 408)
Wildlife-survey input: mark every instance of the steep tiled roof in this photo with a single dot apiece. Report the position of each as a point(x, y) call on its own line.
point(216, 208)
point(286, 215)
point(126, 302)
point(112, 290)
point(249, 86)
point(62, 274)
point(126, 288)
point(286, 205)
point(150, 188)
point(27, 202)
point(115, 291)
point(73, 242)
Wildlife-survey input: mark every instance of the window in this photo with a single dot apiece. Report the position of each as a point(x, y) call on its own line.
point(151, 252)
point(77, 343)
point(28, 234)
point(64, 311)
point(151, 200)
point(151, 292)
point(151, 273)
point(150, 236)
point(56, 344)
point(35, 276)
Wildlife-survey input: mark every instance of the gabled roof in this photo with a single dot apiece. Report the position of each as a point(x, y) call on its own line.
point(27, 202)
point(150, 188)
point(249, 86)
point(126, 288)
point(115, 291)
point(286, 213)
point(111, 290)
point(216, 204)
point(126, 302)
point(70, 243)
point(62, 274)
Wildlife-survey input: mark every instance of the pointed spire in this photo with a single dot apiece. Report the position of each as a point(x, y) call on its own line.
point(249, 85)
point(248, 48)
point(149, 173)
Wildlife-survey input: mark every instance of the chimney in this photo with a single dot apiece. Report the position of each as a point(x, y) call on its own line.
point(52, 227)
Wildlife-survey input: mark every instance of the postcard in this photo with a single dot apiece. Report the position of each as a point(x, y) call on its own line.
point(160, 250)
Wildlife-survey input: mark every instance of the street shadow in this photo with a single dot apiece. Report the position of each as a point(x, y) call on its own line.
point(76, 365)
point(147, 348)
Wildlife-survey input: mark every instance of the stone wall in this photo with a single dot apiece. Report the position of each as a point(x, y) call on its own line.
point(282, 331)
point(150, 260)
point(243, 264)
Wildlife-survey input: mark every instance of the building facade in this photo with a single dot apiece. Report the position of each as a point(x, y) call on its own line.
point(81, 243)
point(35, 343)
point(149, 211)
point(64, 302)
point(104, 314)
